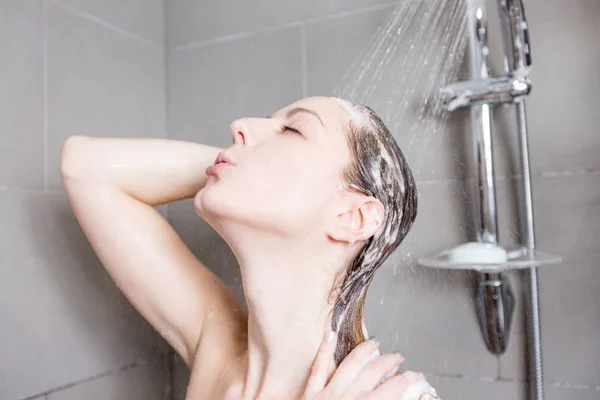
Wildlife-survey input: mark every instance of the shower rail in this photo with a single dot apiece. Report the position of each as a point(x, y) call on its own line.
point(494, 296)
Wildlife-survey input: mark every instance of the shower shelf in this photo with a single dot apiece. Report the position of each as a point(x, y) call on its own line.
point(497, 259)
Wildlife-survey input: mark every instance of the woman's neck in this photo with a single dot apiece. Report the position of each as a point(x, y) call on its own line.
point(288, 315)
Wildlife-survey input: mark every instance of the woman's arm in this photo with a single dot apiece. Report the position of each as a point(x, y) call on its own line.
point(154, 171)
point(112, 185)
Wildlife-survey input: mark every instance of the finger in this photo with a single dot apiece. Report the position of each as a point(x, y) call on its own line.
point(375, 372)
point(321, 368)
point(352, 364)
point(410, 385)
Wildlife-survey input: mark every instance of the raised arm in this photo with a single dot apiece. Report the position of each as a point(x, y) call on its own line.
point(112, 185)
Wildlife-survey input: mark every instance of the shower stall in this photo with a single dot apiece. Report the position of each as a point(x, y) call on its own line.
point(184, 70)
point(494, 298)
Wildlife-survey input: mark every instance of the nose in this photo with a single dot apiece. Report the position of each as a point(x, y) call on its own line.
point(239, 131)
point(251, 131)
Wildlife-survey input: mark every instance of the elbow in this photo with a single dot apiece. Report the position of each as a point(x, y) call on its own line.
point(72, 156)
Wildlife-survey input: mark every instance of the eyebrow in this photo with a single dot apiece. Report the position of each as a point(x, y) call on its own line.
point(297, 110)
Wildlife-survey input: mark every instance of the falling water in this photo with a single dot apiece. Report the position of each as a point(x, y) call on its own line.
point(418, 50)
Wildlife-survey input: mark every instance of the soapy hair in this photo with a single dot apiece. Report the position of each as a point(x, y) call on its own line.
point(378, 169)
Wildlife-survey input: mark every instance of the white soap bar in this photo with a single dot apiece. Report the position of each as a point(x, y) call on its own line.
point(420, 390)
point(477, 253)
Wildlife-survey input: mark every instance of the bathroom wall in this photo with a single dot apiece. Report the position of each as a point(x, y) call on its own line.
point(230, 59)
point(70, 67)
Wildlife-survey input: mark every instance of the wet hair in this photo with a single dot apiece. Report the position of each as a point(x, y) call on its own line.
point(377, 168)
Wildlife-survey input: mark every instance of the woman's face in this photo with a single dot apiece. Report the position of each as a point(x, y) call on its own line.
point(286, 169)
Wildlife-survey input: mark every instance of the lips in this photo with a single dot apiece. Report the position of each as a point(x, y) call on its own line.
point(223, 158)
point(221, 162)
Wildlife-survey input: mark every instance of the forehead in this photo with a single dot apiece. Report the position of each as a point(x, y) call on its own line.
point(331, 112)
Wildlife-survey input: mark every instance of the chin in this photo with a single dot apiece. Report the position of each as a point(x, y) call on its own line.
point(208, 204)
point(218, 206)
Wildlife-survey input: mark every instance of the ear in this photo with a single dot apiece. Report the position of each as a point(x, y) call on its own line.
point(358, 219)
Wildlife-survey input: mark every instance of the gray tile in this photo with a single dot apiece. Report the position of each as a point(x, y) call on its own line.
point(63, 318)
point(181, 374)
point(562, 393)
point(212, 85)
point(100, 83)
point(567, 224)
point(193, 21)
point(562, 111)
point(429, 314)
point(434, 150)
point(21, 80)
point(334, 44)
point(142, 17)
point(140, 383)
point(162, 209)
point(471, 389)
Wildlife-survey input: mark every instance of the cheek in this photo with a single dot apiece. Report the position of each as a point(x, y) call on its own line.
point(290, 187)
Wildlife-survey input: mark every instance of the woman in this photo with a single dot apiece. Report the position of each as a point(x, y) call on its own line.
point(311, 200)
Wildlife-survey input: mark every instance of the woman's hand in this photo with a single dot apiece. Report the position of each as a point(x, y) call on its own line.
point(363, 375)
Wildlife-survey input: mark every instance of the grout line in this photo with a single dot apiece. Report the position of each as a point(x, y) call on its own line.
point(165, 12)
point(304, 61)
point(85, 380)
point(45, 90)
point(462, 377)
point(230, 37)
point(539, 174)
point(461, 180)
point(30, 190)
point(103, 23)
point(560, 174)
point(574, 386)
point(508, 380)
point(167, 69)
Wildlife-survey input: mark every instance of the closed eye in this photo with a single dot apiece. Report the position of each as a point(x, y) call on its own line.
point(285, 128)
